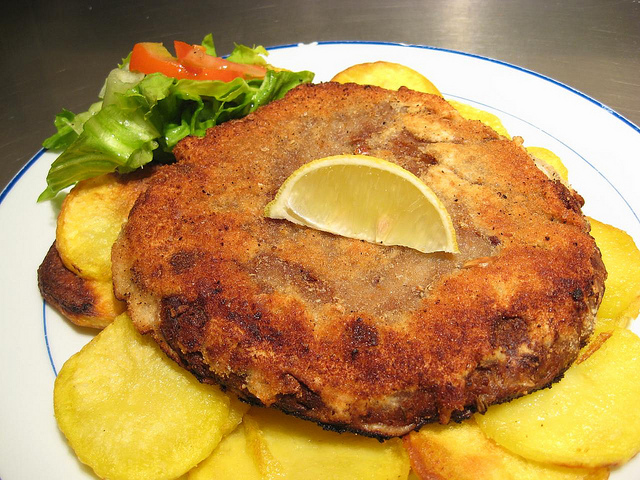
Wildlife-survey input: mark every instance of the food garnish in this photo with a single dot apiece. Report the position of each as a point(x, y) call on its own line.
point(143, 113)
point(366, 198)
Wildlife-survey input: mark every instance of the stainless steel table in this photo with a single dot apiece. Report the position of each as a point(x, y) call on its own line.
point(56, 54)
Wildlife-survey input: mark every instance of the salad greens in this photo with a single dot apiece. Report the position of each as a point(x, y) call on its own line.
point(141, 117)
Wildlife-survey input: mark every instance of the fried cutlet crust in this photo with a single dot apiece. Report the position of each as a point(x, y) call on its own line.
point(356, 336)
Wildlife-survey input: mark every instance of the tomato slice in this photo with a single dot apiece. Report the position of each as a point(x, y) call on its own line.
point(208, 67)
point(192, 62)
point(183, 48)
point(149, 57)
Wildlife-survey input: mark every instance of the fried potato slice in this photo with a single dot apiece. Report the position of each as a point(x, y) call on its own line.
point(463, 452)
point(237, 409)
point(230, 460)
point(590, 418)
point(90, 221)
point(489, 119)
point(392, 76)
point(387, 75)
point(270, 444)
point(621, 257)
point(129, 412)
point(542, 154)
point(87, 303)
point(550, 159)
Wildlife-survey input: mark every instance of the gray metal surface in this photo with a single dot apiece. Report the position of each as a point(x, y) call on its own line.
point(56, 54)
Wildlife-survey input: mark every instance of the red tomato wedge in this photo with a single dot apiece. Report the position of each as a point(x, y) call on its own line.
point(148, 57)
point(192, 62)
point(183, 48)
point(208, 67)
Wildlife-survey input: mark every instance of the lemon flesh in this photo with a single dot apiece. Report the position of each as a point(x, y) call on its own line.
point(365, 198)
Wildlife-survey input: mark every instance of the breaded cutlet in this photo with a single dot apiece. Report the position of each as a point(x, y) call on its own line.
point(356, 336)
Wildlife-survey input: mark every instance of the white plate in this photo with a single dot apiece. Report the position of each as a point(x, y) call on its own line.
point(598, 146)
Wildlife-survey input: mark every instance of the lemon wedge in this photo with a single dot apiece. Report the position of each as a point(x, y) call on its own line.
point(365, 198)
point(387, 75)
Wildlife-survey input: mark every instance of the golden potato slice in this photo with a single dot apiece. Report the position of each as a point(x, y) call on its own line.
point(230, 460)
point(463, 452)
point(392, 76)
point(270, 444)
point(494, 122)
point(550, 159)
point(258, 447)
point(236, 412)
point(106, 302)
point(472, 113)
point(129, 412)
point(387, 75)
point(590, 418)
point(303, 448)
point(90, 221)
point(622, 286)
point(87, 303)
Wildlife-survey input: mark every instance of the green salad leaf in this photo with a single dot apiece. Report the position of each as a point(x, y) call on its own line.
point(142, 117)
point(208, 45)
point(244, 54)
point(69, 126)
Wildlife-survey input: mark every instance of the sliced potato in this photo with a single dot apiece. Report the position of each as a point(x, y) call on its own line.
point(229, 461)
point(258, 446)
point(590, 418)
point(622, 287)
point(463, 452)
point(105, 302)
point(90, 221)
point(387, 75)
point(307, 451)
point(237, 409)
point(550, 159)
point(280, 446)
point(472, 113)
point(129, 412)
point(494, 122)
point(392, 76)
point(87, 303)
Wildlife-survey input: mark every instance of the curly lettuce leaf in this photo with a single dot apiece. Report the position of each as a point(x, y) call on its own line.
point(140, 114)
point(244, 54)
point(209, 47)
point(69, 126)
point(114, 139)
point(240, 53)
